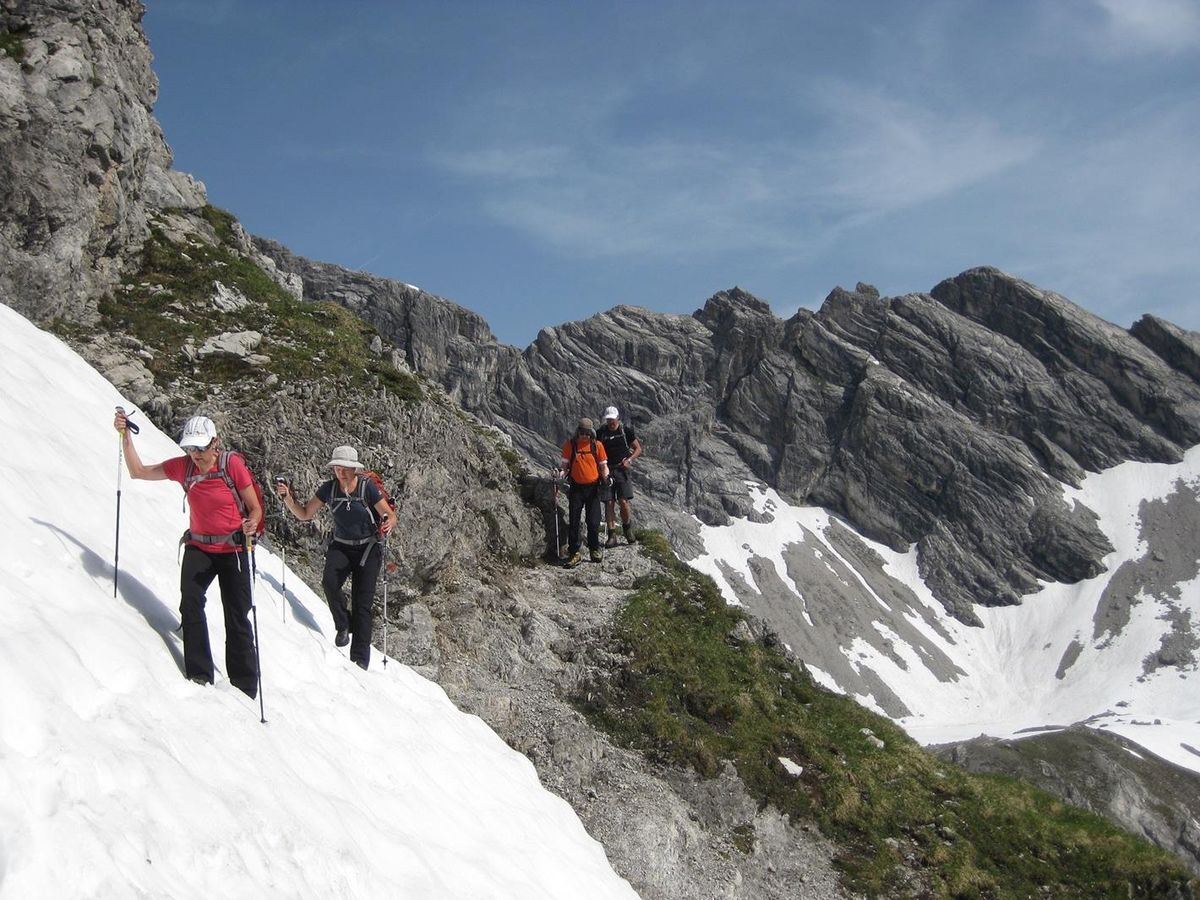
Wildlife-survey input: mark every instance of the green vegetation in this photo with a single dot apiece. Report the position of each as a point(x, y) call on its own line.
point(691, 694)
point(168, 305)
point(12, 43)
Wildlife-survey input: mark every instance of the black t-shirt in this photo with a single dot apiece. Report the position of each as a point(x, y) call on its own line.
point(353, 515)
point(617, 444)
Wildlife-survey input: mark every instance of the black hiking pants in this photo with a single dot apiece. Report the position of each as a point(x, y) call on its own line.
point(360, 563)
point(232, 573)
point(581, 498)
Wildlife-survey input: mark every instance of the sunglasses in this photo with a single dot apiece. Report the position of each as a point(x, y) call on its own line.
point(204, 449)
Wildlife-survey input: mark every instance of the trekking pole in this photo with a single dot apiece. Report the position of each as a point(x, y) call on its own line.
point(383, 553)
point(120, 471)
point(117, 541)
point(282, 479)
point(557, 542)
point(262, 713)
point(283, 563)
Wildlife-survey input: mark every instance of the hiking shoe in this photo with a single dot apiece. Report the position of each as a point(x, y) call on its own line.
point(203, 680)
point(595, 556)
point(576, 559)
point(612, 539)
point(343, 637)
point(629, 534)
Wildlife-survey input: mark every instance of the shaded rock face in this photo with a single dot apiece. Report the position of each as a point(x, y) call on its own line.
point(945, 420)
point(81, 156)
point(1103, 773)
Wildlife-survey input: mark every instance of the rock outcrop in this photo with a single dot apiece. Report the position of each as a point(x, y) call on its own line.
point(81, 155)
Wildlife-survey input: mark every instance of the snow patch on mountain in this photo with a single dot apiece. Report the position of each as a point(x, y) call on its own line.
point(1118, 651)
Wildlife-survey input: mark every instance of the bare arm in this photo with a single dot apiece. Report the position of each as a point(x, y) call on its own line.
point(304, 513)
point(636, 446)
point(386, 518)
point(133, 462)
point(254, 511)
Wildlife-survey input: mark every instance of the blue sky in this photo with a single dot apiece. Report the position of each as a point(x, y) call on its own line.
point(539, 162)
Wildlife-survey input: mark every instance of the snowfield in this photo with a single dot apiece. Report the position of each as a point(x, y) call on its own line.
point(119, 778)
point(1068, 653)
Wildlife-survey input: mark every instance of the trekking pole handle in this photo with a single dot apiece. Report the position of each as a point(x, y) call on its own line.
point(131, 426)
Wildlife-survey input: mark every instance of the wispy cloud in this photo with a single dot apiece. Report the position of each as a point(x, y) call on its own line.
point(1115, 220)
point(592, 192)
point(1140, 26)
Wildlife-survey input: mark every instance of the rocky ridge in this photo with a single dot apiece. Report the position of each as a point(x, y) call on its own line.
point(944, 420)
point(1101, 772)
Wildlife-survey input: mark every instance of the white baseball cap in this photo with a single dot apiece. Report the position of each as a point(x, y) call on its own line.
point(198, 431)
point(611, 413)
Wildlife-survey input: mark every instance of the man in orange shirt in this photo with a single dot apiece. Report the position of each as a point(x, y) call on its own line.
point(585, 463)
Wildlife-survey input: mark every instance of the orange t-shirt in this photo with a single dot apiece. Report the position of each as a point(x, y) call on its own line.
point(586, 467)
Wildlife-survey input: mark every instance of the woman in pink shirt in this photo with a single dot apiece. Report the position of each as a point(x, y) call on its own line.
point(224, 513)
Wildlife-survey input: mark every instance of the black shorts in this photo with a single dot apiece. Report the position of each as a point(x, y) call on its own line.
point(622, 485)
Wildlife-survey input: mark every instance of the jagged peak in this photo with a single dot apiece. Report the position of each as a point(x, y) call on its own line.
point(733, 302)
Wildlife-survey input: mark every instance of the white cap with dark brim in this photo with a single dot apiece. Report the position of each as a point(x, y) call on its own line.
point(198, 431)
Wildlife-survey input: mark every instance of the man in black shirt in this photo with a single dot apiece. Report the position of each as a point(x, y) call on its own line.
point(622, 447)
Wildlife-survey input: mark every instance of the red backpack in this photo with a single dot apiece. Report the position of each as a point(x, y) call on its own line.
point(358, 495)
point(191, 478)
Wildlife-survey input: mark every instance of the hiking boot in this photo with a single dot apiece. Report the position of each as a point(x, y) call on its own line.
point(202, 680)
point(575, 559)
point(343, 637)
point(612, 538)
point(595, 556)
point(628, 529)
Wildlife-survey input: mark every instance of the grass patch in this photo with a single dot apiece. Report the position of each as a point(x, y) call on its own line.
point(12, 43)
point(168, 305)
point(690, 694)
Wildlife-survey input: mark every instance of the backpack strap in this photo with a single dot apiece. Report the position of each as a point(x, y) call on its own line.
point(575, 450)
point(192, 477)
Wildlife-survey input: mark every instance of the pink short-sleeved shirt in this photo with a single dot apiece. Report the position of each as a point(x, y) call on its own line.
point(211, 505)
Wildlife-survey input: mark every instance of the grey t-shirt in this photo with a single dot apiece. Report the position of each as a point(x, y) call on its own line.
point(353, 514)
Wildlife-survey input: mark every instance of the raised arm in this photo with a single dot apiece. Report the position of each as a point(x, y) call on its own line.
point(304, 513)
point(133, 462)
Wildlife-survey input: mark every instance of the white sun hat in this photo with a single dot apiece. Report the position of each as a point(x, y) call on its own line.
point(346, 456)
point(611, 413)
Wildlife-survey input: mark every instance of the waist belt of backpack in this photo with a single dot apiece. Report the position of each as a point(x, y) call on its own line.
point(373, 539)
point(355, 543)
point(234, 539)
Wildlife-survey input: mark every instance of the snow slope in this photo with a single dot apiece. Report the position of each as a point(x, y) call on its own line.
point(866, 624)
point(119, 778)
